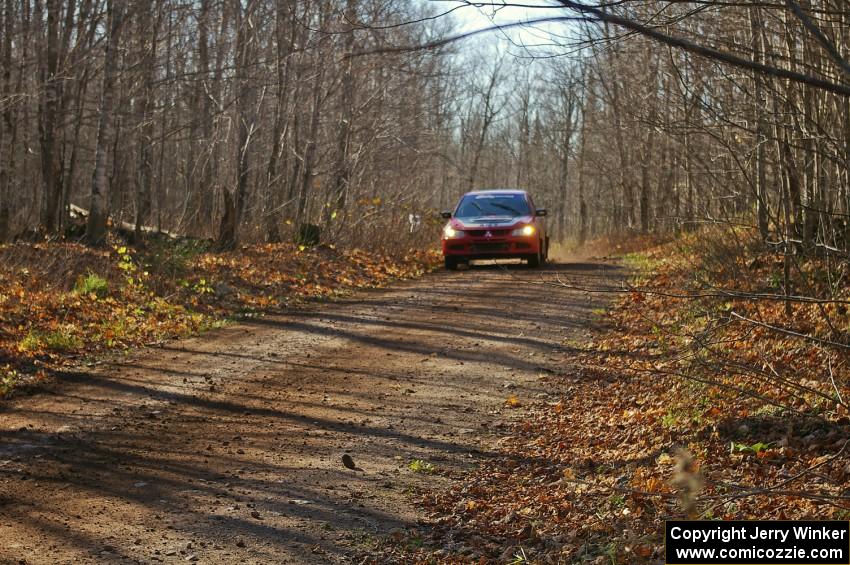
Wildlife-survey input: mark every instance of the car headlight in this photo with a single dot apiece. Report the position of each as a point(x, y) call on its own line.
point(451, 233)
point(524, 231)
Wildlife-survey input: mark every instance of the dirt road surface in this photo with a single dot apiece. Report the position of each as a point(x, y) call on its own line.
point(227, 448)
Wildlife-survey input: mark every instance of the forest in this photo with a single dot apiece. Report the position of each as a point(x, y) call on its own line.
point(236, 121)
point(219, 223)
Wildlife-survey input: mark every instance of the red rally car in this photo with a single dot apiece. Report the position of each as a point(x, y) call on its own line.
point(495, 224)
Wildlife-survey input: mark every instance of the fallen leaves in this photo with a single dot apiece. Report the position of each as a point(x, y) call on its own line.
point(512, 401)
point(674, 409)
point(59, 301)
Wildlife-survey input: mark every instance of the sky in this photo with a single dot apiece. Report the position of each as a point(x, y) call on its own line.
point(473, 18)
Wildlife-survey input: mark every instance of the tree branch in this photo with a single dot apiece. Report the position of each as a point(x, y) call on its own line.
point(593, 13)
point(708, 52)
point(824, 41)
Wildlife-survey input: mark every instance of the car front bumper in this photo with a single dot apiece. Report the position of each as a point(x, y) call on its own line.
point(490, 248)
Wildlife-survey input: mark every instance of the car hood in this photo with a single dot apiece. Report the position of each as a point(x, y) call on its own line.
point(497, 222)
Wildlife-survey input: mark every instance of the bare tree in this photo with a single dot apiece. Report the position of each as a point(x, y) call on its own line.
point(491, 104)
point(99, 203)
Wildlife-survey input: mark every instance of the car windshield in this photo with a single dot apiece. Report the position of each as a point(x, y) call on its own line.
point(478, 205)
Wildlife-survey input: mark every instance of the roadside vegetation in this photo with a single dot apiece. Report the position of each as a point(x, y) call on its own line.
point(226, 159)
point(706, 392)
point(61, 303)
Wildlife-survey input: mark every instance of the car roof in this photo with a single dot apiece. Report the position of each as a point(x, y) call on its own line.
point(498, 191)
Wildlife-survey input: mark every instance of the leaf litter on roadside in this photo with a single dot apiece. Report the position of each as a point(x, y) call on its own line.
point(61, 301)
point(672, 410)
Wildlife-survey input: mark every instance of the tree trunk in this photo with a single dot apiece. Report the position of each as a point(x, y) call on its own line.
point(489, 113)
point(246, 112)
point(285, 46)
point(49, 120)
point(201, 193)
point(99, 205)
point(568, 101)
point(342, 169)
point(624, 170)
point(582, 205)
point(8, 125)
point(144, 180)
point(761, 127)
point(649, 146)
point(310, 148)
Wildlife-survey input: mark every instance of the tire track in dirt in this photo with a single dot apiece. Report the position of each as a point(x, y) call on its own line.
point(227, 447)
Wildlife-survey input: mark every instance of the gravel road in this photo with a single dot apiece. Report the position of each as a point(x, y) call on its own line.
point(227, 447)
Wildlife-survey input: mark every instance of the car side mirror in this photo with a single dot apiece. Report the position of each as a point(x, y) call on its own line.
point(541, 212)
point(446, 215)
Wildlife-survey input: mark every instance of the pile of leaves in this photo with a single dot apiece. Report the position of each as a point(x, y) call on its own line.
point(705, 393)
point(62, 301)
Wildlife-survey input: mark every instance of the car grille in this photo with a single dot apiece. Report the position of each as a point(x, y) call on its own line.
point(493, 233)
point(489, 247)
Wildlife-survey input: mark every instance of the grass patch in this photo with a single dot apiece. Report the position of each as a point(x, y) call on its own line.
point(641, 262)
point(173, 260)
point(755, 448)
point(208, 324)
point(91, 284)
point(8, 379)
point(62, 340)
point(58, 341)
point(420, 466)
point(113, 331)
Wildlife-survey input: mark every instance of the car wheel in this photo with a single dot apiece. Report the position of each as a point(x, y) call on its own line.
point(451, 263)
point(534, 260)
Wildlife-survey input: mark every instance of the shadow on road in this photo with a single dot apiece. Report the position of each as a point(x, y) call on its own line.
point(227, 448)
